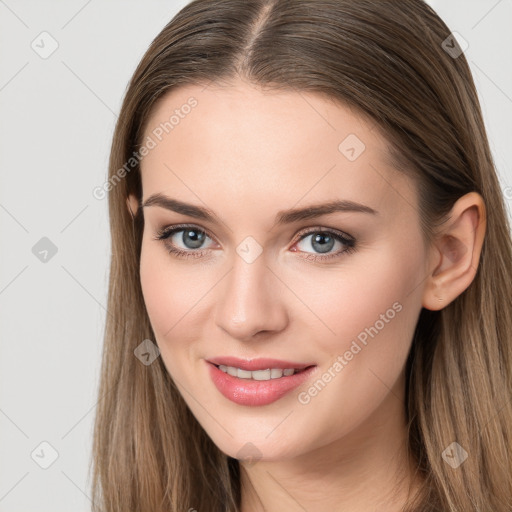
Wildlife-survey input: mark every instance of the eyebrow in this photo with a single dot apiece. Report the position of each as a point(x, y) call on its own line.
point(282, 216)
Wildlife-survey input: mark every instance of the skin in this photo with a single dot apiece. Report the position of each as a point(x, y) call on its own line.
point(246, 154)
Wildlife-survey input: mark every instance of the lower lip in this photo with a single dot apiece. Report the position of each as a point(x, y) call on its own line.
point(256, 392)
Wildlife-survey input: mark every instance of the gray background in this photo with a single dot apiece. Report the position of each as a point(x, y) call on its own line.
point(57, 117)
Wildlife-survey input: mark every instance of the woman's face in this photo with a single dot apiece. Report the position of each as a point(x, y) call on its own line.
point(336, 293)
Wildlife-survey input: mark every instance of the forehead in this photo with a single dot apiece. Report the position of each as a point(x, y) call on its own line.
point(239, 141)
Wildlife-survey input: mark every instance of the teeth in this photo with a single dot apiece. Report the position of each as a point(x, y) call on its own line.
point(261, 374)
point(268, 374)
point(243, 374)
point(230, 370)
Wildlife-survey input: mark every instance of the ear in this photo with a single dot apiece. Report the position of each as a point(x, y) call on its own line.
point(455, 252)
point(132, 204)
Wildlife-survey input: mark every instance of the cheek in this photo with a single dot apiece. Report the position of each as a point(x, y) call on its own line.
point(373, 300)
point(372, 308)
point(168, 293)
point(157, 288)
point(176, 298)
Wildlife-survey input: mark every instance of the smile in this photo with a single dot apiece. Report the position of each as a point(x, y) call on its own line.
point(268, 374)
point(257, 387)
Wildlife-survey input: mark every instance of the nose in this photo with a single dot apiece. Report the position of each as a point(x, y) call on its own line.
point(250, 300)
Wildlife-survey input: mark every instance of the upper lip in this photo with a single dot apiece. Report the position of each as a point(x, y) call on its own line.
point(262, 363)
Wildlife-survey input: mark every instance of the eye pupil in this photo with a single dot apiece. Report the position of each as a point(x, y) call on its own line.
point(324, 246)
point(195, 238)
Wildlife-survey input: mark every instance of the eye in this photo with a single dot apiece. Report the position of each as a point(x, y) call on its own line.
point(323, 241)
point(191, 237)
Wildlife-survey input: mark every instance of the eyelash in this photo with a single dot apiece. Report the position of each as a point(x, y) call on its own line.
point(166, 232)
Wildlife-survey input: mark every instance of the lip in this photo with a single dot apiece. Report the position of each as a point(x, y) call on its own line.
point(262, 363)
point(256, 392)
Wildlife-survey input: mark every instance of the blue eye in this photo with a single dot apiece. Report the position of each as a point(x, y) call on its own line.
point(193, 239)
point(323, 241)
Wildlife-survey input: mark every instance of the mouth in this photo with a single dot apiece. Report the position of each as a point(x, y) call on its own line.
point(261, 375)
point(258, 381)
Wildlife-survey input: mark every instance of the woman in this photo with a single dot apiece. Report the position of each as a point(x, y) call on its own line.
point(309, 302)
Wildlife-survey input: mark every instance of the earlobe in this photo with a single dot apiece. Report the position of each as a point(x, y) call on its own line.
point(457, 248)
point(132, 204)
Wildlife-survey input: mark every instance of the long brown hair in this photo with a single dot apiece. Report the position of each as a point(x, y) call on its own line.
point(390, 60)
